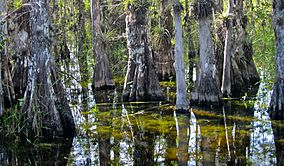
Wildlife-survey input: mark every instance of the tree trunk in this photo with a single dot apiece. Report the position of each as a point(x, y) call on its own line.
point(182, 102)
point(19, 49)
point(207, 89)
point(8, 87)
point(226, 77)
point(218, 6)
point(141, 81)
point(47, 110)
point(243, 69)
point(2, 10)
point(82, 47)
point(219, 38)
point(1, 88)
point(164, 59)
point(103, 78)
point(191, 50)
point(277, 99)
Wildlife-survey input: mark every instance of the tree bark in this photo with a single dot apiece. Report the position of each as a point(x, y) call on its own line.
point(218, 6)
point(19, 49)
point(2, 10)
point(164, 59)
point(103, 78)
point(82, 48)
point(141, 81)
point(47, 111)
point(276, 109)
point(191, 50)
point(207, 89)
point(243, 69)
point(226, 77)
point(8, 87)
point(182, 102)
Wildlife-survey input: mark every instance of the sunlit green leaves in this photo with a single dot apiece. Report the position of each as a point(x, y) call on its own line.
point(262, 33)
point(18, 3)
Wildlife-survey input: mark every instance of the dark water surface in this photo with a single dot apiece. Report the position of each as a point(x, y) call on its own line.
point(112, 133)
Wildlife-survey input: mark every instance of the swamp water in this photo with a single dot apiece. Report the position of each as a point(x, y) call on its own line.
point(113, 133)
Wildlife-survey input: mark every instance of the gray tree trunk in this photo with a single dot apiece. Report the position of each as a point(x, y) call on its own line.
point(191, 50)
point(8, 87)
point(2, 11)
point(103, 78)
point(47, 110)
point(141, 81)
point(182, 102)
point(218, 6)
point(19, 49)
point(277, 99)
point(207, 89)
point(164, 59)
point(226, 77)
point(243, 73)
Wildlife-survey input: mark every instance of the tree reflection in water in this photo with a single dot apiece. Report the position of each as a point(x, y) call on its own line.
point(194, 145)
point(262, 145)
point(154, 134)
point(50, 153)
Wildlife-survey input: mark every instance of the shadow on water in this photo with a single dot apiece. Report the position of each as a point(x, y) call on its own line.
point(113, 133)
point(55, 153)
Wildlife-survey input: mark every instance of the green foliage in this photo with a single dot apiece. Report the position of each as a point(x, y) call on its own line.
point(87, 5)
point(168, 84)
point(17, 3)
point(174, 163)
point(119, 80)
point(262, 33)
point(10, 121)
point(85, 83)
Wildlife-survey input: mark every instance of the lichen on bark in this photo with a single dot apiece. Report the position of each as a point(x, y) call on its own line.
point(141, 81)
point(45, 110)
point(207, 87)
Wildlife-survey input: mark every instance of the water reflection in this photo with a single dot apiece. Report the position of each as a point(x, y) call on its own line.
point(139, 134)
point(85, 151)
point(55, 153)
point(278, 132)
point(154, 134)
point(194, 145)
point(262, 145)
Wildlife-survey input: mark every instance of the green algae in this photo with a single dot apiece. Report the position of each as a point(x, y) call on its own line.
point(111, 122)
point(169, 84)
point(104, 115)
point(278, 123)
point(280, 141)
point(208, 114)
